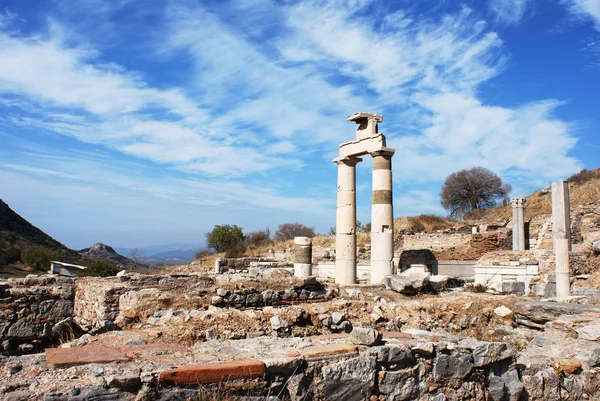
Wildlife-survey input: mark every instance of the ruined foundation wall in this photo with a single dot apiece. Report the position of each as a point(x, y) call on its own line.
point(34, 312)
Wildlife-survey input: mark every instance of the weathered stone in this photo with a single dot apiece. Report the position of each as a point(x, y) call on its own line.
point(513, 287)
point(298, 387)
point(505, 387)
point(22, 331)
point(503, 311)
point(488, 353)
point(283, 365)
point(423, 348)
point(278, 323)
point(270, 297)
point(213, 372)
point(350, 380)
point(541, 312)
point(87, 393)
point(438, 282)
point(589, 332)
point(365, 336)
point(337, 317)
point(395, 355)
point(409, 282)
point(402, 384)
point(455, 366)
point(125, 382)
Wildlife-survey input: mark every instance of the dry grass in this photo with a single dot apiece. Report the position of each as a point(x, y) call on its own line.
point(540, 202)
point(424, 223)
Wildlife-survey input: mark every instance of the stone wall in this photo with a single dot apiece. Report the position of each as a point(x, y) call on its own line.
point(35, 312)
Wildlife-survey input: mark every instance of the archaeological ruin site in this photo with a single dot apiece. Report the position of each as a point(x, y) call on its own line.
point(503, 308)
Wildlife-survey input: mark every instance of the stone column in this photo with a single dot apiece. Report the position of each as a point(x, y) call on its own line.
point(561, 233)
point(302, 257)
point(518, 224)
point(345, 225)
point(382, 217)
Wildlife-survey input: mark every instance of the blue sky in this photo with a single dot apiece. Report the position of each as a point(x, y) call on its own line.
point(146, 122)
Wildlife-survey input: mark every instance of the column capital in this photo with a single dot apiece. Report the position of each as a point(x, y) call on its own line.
point(518, 202)
point(385, 152)
point(348, 161)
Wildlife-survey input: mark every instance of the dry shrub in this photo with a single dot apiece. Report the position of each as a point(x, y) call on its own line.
point(477, 288)
point(583, 176)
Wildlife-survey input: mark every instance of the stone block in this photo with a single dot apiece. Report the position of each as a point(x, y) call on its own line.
point(513, 287)
point(213, 373)
point(350, 380)
point(59, 357)
point(455, 366)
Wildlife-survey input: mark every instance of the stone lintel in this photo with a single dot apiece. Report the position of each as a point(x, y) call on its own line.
point(363, 146)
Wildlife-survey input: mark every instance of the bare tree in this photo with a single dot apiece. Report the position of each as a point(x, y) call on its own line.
point(288, 231)
point(475, 188)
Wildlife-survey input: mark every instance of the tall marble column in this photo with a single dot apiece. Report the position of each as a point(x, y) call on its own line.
point(561, 233)
point(382, 217)
point(345, 227)
point(518, 224)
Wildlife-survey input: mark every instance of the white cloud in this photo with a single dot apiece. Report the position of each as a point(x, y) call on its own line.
point(509, 11)
point(463, 133)
point(585, 9)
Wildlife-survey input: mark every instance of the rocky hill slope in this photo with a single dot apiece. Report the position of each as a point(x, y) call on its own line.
point(105, 252)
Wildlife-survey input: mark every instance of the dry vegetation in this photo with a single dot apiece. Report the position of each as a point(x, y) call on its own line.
point(424, 223)
point(584, 188)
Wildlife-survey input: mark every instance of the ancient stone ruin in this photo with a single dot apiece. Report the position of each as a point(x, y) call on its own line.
point(467, 314)
point(368, 141)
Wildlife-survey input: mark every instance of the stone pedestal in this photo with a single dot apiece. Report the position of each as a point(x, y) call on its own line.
point(302, 257)
point(382, 217)
point(518, 221)
point(561, 234)
point(345, 234)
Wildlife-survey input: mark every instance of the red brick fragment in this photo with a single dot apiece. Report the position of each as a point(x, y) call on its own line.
point(58, 357)
point(213, 372)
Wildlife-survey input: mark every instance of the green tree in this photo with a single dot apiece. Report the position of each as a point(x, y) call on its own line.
point(475, 188)
point(38, 257)
point(224, 237)
point(100, 268)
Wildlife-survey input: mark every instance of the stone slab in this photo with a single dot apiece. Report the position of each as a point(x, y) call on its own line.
point(213, 372)
point(325, 350)
point(152, 348)
point(59, 357)
point(396, 335)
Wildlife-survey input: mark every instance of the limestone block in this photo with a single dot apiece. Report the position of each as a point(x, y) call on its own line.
point(350, 380)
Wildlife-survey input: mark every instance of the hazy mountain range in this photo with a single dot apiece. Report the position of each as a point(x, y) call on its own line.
point(165, 254)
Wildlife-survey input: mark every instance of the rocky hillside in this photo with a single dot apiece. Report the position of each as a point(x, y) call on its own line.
point(15, 230)
point(100, 251)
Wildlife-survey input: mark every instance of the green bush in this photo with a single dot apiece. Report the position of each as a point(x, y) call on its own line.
point(224, 237)
point(9, 256)
point(100, 268)
point(38, 257)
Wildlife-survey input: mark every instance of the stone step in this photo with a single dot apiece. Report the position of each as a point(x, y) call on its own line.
point(213, 372)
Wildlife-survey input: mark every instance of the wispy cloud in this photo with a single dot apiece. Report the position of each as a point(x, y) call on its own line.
point(588, 10)
point(509, 11)
point(241, 105)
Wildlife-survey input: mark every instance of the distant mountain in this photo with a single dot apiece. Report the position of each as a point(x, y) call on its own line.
point(176, 253)
point(101, 251)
